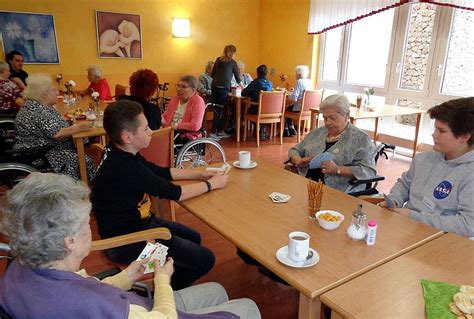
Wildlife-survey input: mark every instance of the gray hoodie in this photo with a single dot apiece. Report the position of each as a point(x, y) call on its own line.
point(439, 192)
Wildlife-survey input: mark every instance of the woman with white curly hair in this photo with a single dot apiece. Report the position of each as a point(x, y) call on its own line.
point(39, 124)
point(98, 83)
point(46, 218)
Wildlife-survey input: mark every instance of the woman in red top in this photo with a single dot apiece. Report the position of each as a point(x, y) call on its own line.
point(185, 110)
point(98, 83)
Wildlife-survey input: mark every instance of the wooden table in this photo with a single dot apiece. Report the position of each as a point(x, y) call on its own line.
point(238, 115)
point(379, 111)
point(80, 137)
point(394, 290)
point(243, 213)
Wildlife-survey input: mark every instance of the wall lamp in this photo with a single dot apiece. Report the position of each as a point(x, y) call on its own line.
point(181, 28)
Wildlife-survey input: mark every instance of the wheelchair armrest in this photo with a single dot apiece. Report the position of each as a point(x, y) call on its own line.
point(357, 182)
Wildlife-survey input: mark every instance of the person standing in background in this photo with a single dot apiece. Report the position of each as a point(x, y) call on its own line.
point(224, 68)
point(15, 59)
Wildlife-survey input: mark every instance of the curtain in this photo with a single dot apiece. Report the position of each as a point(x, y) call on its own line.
point(328, 14)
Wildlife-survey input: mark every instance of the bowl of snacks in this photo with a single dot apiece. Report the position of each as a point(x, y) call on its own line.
point(329, 219)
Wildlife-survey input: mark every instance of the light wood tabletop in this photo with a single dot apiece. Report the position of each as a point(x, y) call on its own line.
point(378, 112)
point(394, 290)
point(79, 138)
point(244, 214)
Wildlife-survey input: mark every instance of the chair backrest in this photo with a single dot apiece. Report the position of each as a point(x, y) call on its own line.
point(160, 150)
point(120, 90)
point(271, 103)
point(311, 100)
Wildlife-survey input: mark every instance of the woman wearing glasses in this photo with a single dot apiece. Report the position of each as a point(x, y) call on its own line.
point(185, 110)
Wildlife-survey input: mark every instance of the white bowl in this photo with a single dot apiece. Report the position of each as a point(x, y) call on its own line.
point(327, 224)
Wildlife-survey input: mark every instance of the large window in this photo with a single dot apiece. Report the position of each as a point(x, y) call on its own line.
point(416, 55)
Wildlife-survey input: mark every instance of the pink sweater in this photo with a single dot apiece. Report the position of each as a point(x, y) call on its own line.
point(192, 117)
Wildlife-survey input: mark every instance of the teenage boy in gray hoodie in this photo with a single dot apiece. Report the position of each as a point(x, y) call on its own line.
point(438, 189)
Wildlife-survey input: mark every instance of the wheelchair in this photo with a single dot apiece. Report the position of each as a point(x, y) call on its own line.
point(203, 151)
point(17, 164)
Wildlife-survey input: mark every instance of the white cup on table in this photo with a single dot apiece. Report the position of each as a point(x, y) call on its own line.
point(244, 159)
point(298, 245)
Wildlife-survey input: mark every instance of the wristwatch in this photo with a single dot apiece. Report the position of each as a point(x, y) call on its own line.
point(209, 186)
point(338, 171)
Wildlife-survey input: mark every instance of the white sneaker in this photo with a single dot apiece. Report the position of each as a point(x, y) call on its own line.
point(223, 135)
point(214, 137)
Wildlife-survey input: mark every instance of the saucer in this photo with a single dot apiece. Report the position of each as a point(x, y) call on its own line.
point(282, 256)
point(252, 165)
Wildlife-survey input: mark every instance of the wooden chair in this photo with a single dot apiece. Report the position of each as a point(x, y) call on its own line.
point(161, 152)
point(311, 100)
point(271, 107)
point(120, 90)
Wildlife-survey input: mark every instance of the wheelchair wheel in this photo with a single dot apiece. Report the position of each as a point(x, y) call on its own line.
point(12, 173)
point(201, 152)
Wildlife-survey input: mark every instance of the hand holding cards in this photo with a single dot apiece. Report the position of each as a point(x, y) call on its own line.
point(156, 252)
point(225, 168)
point(319, 159)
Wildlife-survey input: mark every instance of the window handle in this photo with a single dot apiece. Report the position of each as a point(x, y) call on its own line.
point(398, 67)
point(440, 70)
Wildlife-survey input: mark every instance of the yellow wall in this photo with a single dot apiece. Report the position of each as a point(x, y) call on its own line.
point(285, 42)
point(265, 31)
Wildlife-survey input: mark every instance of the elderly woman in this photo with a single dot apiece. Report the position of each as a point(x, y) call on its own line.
point(205, 81)
point(296, 96)
point(46, 218)
point(38, 124)
point(245, 77)
point(143, 85)
point(98, 83)
point(10, 92)
point(185, 110)
point(348, 151)
point(438, 188)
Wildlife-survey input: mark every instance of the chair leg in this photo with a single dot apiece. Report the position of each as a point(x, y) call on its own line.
point(172, 211)
point(245, 129)
point(257, 133)
point(271, 130)
point(281, 130)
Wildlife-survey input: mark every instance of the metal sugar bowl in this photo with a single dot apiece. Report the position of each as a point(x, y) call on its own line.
point(358, 227)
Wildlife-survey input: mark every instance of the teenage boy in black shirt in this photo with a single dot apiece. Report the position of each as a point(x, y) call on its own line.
point(120, 188)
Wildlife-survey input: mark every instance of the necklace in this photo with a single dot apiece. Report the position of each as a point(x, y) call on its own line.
point(330, 139)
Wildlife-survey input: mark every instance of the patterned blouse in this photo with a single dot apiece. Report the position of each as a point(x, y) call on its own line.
point(36, 125)
point(9, 92)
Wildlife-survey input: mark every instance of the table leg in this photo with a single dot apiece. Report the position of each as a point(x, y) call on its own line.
point(417, 129)
point(238, 121)
point(309, 308)
point(376, 129)
point(81, 158)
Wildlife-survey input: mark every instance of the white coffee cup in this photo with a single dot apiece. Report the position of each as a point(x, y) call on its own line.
point(244, 158)
point(298, 245)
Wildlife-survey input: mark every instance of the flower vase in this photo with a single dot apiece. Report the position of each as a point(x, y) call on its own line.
point(69, 99)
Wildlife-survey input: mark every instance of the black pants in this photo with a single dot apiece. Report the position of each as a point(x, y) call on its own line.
point(220, 96)
point(191, 259)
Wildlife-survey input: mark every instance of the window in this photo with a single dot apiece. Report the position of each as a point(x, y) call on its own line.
point(416, 55)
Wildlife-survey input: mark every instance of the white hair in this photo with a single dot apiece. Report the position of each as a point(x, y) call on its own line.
point(337, 101)
point(241, 64)
point(39, 212)
point(4, 66)
point(95, 70)
point(36, 86)
point(302, 71)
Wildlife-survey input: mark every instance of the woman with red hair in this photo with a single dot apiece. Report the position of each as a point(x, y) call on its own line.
point(143, 84)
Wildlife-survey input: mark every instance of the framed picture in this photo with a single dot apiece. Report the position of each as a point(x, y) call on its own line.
point(33, 34)
point(119, 35)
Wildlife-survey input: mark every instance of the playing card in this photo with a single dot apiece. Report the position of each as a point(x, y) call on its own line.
point(225, 168)
point(279, 197)
point(157, 252)
point(318, 160)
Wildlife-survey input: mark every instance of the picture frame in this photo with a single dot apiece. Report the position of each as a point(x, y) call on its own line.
point(33, 34)
point(119, 35)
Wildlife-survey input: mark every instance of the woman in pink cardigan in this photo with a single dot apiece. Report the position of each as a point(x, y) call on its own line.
point(185, 110)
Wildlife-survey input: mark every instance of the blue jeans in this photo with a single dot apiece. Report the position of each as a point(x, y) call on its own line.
point(191, 259)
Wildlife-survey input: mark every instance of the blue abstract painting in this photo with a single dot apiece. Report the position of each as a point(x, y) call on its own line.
point(32, 34)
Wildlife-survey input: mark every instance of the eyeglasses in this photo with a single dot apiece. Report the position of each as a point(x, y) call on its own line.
point(181, 86)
